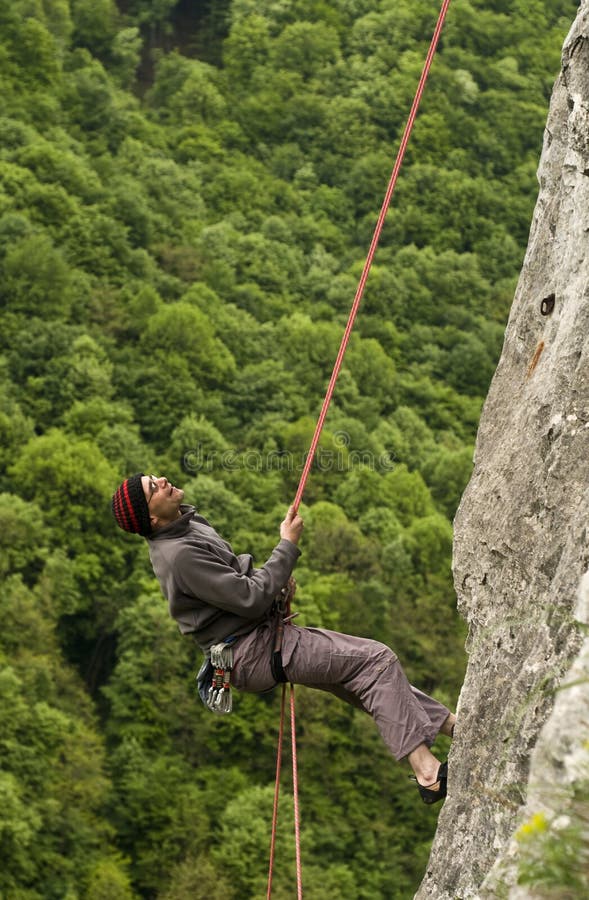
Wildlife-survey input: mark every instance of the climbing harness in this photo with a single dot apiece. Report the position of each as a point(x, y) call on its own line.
point(282, 617)
point(317, 434)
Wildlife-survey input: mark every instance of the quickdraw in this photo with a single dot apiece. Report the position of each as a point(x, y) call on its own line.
point(219, 697)
point(214, 678)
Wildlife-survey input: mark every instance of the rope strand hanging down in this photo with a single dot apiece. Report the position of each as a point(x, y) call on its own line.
point(319, 428)
point(276, 793)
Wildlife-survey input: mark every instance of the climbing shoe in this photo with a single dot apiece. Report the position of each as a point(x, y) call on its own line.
point(430, 794)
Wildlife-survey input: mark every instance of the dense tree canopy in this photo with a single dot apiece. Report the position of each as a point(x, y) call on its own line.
point(187, 193)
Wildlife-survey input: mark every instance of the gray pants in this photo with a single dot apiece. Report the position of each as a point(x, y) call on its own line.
point(362, 672)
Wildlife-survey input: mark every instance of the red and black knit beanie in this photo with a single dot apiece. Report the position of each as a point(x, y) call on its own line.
point(130, 508)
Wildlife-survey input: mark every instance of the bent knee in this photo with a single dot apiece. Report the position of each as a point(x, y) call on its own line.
point(380, 653)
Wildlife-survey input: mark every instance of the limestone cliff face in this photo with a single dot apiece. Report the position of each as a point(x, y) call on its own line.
point(522, 535)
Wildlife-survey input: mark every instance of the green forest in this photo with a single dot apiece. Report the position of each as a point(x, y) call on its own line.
point(187, 194)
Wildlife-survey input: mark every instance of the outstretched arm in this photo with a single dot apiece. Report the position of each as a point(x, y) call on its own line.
point(203, 575)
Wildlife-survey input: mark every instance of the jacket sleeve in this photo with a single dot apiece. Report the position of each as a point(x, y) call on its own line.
point(203, 575)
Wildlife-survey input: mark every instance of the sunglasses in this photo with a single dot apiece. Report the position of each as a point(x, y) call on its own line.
point(153, 487)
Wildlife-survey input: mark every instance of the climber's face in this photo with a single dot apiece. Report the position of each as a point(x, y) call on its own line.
point(163, 499)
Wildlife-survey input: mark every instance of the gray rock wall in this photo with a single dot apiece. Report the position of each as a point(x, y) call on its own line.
point(559, 764)
point(521, 532)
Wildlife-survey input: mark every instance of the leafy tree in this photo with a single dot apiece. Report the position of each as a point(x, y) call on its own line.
point(267, 387)
point(305, 48)
point(197, 446)
point(15, 430)
point(36, 54)
point(151, 12)
point(36, 278)
point(22, 537)
point(58, 165)
point(53, 787)
point(92, 415)
point(198, 99)
point(149, 680)
point(374, 374)
point(190, 333)
point(126, 54)
point(245, 824)
point(108, 880)
point(158, 813)
point(198, 879)
point(447, 473)
point(246, 48)
point(406, 437)
point(163, 376)
point(94, 24)
point(71, 481)
point(337, 545)
point(20, 827)
point(429, 540)
point(212, 498)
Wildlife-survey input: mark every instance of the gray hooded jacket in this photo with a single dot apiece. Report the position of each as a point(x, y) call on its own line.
point(211, 592)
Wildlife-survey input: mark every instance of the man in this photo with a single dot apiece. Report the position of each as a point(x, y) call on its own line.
point(215, 595)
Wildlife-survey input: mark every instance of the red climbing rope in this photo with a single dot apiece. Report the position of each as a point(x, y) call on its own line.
point(276, 794)
point(319, 429)
point(371, 252)
point(295, 791)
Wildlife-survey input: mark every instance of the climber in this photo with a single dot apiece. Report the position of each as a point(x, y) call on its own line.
point(215, 595)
